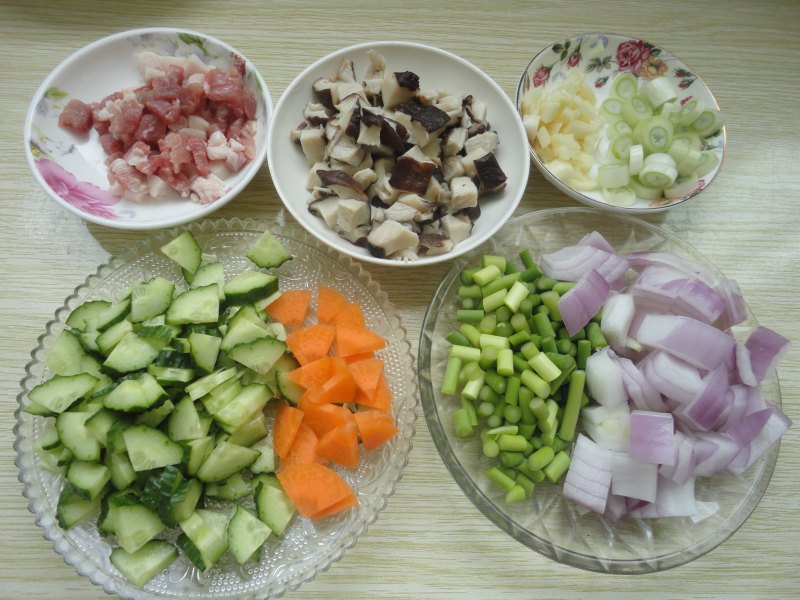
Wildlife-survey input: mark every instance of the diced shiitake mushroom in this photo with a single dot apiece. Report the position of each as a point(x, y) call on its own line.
point(396, 168)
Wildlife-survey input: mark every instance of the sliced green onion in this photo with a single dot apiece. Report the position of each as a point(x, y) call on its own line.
point(496, 341)
point(541, 458)
point(494, 301)
point(512, 391)
point(465, 353)
point(656, 134)
point(619, 196)
point(659, 171)
point(535, 383)
point(672, 111)
point(635, 159)
point(613, 175)
point(469, 315)
point(461, 422)
point(619, 127)
point(450, 382)
point(572, 407)
point(689, 163)
point(470, 332)
point(612, 107)
point(635, 109)
point(620, 146)
point(625, 85)
point(708, 122)
point(505, 362)
point(694, 140)
point(544, 367)
point(487, 274)
point(492, 259)
point(659, 91)
point(515, 296)
point(500, 479)
point(643, 191)
point(690, 112)
point(708, 162)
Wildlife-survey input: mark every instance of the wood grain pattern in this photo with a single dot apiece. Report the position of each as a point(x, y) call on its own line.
point(430, 542)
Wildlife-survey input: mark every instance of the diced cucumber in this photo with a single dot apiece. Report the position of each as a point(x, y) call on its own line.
point(135, 525)
point(246, 535)
point(158, 490)
point(158, 336)
point(106, 522)
point(259, 355)
point(132, 353)
point(273, 505)
point(200, 387)
point(88, 340)
point(32, 408)
point(99, 424)
point(266, 462)
point(225, 460)
point(150, 298)
point(141, 566)
point(149, 448)
point(185, 251)
point(72, 432)
point(185, 499)
point(122, 473)
point(73, 507)
point(107, 340)
point(136, 395)
point(209, 542)
point(198, 305)
point(65, 357)
point(233, 488)
point(249, 286)
point(115, 442)
point(244, 327)
point(184, 422)
point(197, 452)
point(155, 416)
point(88, 478)
point(251, 432)
point(85, 313)
point(268, 252)
point(170, 376)
point(49, 459)
point(208, 274)
point(247, 403)
point(48, 437)
point(204, 351)
point(170, 357)
point(60, 392)
point(113, 314)
point(288, 389)
point(277, 330)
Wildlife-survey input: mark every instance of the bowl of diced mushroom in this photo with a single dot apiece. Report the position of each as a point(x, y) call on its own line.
point(398, 153)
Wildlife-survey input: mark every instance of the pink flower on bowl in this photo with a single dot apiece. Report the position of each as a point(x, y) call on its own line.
point(631, 55)
point(574, 59)
point(541, 76)
point(83, 195)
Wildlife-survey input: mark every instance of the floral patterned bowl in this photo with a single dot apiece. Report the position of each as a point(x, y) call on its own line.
point(599, 57)
point(71, 167)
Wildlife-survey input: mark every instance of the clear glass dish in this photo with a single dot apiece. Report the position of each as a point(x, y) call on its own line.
point(308, 548)
point(547, 523)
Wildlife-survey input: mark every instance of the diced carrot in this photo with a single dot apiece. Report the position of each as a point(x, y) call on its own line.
point(329, 304)
point(350, 315)
point(287, 422)
point(357, 357)
point(313, 374)
point(324, 417)
point(375, 427)
point(336, 507)
point(339, 389)
point(304, 448)
point(314, 488)
point(310, 343)
point(355, 340)
point(381, 399)
point(367, 374)
point(290, 307)
point(340, 445)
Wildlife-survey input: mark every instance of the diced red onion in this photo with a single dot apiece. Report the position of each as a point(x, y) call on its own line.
point(604, 378)
point(596, 240)
point(697, 343)
point(672, 377)
point(608, 427)
point(640, 391)
point(715, 451)
point(633, 478)
point(672, 500)
point(709, 405)
point(744, 368)
point(652, 437)
point(616, 320)
point(685, 460)
point(572, 262)
point(616, 507)
point(582, 301)
point(746, 430)
point(700, 301)
point(776, 426)
point(737, 400)
point(588, 479)
point(640, 260)
point(659, 286)
point(766, 348)
point(735, 309)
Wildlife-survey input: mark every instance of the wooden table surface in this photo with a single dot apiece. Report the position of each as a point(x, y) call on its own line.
point(431, 542)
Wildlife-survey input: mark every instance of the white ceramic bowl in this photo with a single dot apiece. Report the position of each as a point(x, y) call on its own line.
point(600, 56)
point(436, 69)
point(71, 167)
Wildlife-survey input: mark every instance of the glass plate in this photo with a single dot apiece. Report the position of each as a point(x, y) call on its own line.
point(307, 547)
point(547, 523)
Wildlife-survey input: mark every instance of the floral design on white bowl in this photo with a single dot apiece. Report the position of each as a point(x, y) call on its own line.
point(599, 57)
point(71, 167)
